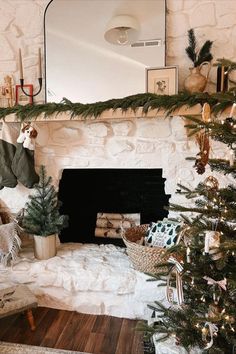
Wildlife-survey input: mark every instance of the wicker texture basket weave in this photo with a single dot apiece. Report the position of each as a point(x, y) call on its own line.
point(143, 258)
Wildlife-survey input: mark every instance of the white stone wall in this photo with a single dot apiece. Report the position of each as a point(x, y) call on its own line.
point(22, 27)
point(213, 20)
point(133, 143)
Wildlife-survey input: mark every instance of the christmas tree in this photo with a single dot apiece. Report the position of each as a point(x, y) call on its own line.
point(41, 214)
point(202, 267)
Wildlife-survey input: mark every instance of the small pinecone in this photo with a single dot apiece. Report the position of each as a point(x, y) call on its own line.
point(200, 167)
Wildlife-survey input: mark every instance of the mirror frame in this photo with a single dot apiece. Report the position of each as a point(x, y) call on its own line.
point(45, 45)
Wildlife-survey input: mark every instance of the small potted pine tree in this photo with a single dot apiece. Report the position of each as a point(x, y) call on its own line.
point(42, 218)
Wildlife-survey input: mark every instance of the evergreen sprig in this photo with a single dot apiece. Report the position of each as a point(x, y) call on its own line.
point(195, 55)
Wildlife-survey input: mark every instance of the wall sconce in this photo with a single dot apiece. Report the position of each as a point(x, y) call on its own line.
point(122, 30)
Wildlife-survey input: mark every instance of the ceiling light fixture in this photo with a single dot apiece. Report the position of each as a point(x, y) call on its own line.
point(122, 30)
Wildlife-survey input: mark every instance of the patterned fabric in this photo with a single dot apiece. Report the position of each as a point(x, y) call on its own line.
point(162, 234)
point(12, 348)
point(9, 242)
point(16, 299)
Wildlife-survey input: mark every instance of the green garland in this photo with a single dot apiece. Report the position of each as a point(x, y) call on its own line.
point(148, 101)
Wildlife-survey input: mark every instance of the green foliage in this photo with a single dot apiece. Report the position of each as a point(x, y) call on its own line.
point(41, 214)
point(211, 208)
point(195, 55)
point(148, 101)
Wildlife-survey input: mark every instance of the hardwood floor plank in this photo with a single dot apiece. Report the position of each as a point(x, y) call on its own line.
point(94, 343)
point(70, 331)
point(42, 326)
point(96, 334)
point(101, 324)
point(126, 337)
point(110, 340)
point(137, 345)
point(55, 331)
point(5, 324)
point(80, 340)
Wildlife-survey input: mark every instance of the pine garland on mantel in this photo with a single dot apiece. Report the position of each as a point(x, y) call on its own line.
point(148, 101)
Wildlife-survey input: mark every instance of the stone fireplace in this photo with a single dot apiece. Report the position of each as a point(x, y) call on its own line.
point(130, 142)
point(115, 192)
point(92, 278)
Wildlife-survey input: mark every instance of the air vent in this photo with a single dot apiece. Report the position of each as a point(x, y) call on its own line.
point(138, 44)
point(147, 43)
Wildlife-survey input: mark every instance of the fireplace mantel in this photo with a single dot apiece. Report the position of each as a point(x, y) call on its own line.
point(114, 114)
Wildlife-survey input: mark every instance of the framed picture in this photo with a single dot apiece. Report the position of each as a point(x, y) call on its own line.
point(162, 81)
point(21, 98)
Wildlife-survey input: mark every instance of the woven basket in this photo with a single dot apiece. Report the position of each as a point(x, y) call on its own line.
point(143, 258)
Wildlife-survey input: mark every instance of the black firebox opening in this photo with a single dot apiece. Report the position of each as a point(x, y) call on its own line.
point(86, 192)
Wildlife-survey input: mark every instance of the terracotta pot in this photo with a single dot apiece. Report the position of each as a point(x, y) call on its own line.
point(196, 81)
point(45, 246)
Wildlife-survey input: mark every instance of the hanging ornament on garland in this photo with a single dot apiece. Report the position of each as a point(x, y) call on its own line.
point(203, 141)
point(211, 183)
point(202, 157)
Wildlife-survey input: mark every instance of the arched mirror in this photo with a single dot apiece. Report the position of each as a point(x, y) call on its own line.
point(84, 62)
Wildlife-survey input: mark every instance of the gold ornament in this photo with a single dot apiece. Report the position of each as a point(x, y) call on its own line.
point(206, 113)
point(202, 157)
point(211, 183)
point(213, 311)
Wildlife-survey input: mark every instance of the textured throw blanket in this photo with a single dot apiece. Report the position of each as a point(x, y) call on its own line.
point(9, 242)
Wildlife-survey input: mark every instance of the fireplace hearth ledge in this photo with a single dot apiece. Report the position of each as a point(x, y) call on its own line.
point(113, 114)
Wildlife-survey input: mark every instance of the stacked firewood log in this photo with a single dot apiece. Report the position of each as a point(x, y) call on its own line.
point(112, 225)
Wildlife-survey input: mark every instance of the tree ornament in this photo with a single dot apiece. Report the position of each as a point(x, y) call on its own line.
point(212, 242)
point(221, 283)
point(211, 183)
point(213, 311)
point(232, 110)
point(203, 155)
point(188, 254)
point(211, 330)
point(206, 113)
point(231, 157)
point(177, 270)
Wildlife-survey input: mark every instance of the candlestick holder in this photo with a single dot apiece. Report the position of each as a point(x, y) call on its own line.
point(40, 80)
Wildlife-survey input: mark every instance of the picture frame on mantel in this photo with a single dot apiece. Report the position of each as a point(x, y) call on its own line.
point(21, 98)
point(162, 80)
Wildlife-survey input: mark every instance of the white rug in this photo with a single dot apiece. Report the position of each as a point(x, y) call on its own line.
point(11, 348)
point(86, 278)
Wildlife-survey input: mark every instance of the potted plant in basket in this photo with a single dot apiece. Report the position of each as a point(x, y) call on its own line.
point(42, 218)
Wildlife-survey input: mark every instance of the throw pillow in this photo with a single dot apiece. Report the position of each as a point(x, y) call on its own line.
point(162, 234)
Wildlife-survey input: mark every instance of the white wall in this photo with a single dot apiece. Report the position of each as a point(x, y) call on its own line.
point(21, 26)
point(213, 20)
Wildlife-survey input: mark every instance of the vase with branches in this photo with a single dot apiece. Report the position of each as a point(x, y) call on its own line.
point(196, 81)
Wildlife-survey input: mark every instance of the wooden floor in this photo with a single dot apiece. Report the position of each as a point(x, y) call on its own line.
point(74, 331)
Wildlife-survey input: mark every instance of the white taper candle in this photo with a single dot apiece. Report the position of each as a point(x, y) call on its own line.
point(21, 65)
